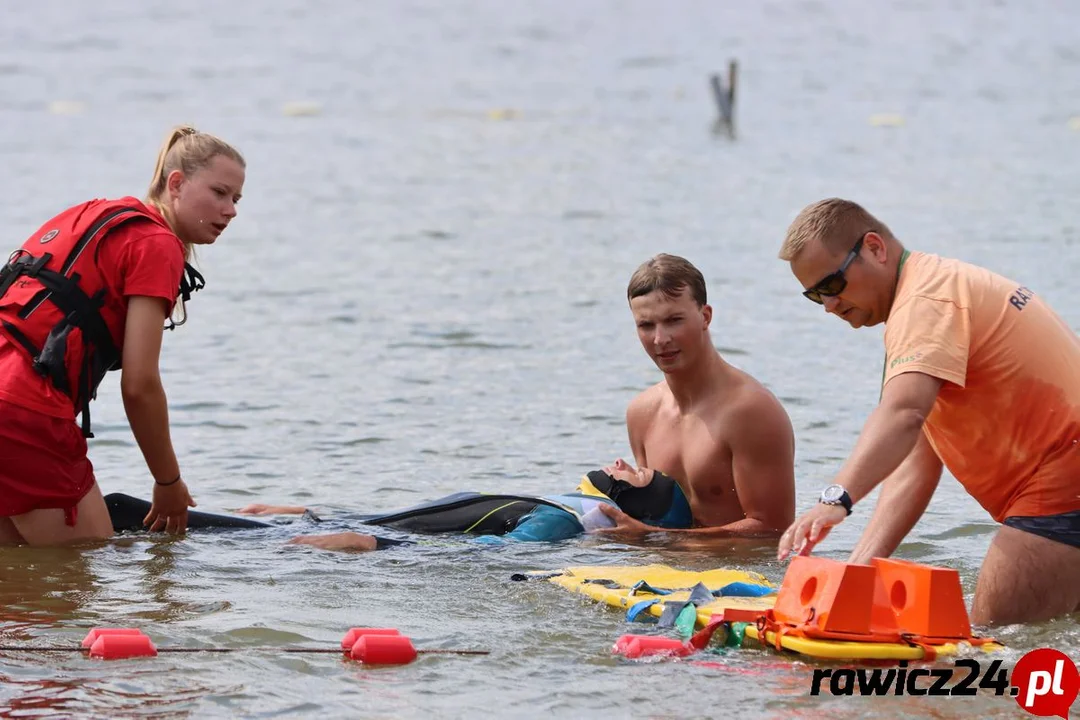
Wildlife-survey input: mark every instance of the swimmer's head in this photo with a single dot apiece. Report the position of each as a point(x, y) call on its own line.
point(660, 503)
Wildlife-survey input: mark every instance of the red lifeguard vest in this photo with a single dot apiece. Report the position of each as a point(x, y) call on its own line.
point(52, 294)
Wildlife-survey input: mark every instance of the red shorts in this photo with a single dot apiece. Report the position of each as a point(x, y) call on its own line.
point(43, 462)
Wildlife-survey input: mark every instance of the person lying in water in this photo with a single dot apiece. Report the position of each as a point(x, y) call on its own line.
point(485, 517)
point(714, 448)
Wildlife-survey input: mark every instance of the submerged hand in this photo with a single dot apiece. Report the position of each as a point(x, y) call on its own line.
point(169, 508)
point(809, 529)
point(337, 541)
point(624, 523)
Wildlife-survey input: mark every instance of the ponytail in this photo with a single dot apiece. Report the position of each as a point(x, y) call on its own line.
point(187, 150)
point(157, 182)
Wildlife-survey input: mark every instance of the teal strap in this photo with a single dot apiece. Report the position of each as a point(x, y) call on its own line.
point(736, 635)
point(686, 620)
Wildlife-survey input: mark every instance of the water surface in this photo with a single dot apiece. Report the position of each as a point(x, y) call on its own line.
point(424, 293)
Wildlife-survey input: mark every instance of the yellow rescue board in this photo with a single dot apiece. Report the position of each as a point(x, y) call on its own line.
point(613, 585)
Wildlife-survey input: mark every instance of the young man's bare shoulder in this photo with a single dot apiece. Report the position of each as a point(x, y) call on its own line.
point(758, 408)
point(646, 403)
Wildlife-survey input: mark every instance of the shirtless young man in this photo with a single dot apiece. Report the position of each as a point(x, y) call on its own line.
point(716, 430)
point(981, 376)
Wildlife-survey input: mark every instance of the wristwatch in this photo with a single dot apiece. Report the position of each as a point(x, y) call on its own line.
point(836, 495)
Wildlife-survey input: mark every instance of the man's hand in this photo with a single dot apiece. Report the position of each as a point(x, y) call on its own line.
point(626, 472)
point(169, 508)
point(337, 541)
point(624, 524)
point(809, 529)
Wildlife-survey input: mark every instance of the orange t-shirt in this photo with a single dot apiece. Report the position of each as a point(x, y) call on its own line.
point(1006, 422)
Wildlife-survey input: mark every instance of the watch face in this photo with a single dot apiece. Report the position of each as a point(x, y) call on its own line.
point(833, 493)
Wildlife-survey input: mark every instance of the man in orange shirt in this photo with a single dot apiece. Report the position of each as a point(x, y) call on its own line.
point(980, 376)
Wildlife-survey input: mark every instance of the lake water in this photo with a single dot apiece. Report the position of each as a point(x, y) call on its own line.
point(425, 292)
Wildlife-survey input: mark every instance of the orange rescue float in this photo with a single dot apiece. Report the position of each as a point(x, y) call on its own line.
point(890, 601)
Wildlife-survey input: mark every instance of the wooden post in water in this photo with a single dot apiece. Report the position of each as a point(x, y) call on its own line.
point(725, 99)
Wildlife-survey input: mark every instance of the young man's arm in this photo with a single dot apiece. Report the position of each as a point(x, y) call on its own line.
point(763, 464)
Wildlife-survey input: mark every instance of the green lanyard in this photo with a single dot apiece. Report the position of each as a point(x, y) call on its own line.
point(885, 364)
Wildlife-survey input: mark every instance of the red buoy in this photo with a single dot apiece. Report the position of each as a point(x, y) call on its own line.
point(118, 647)
point(383, 650)
point(95, 633)
point(356, 633)
point(622, 643)
point(645, 645)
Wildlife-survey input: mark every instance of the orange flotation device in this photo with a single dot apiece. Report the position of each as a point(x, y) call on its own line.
point(888, 601)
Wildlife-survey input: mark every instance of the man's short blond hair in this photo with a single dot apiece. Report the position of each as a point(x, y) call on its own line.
point(836, 223)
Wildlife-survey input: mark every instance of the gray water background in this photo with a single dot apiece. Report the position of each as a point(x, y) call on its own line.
point(424, 292)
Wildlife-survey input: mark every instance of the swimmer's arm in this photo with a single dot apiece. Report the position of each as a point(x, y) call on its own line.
point(902, 501)
point(338, 541)
point(347, 541)
point(261, 509)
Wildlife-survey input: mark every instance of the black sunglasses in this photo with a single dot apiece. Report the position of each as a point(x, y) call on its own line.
point(834, 283)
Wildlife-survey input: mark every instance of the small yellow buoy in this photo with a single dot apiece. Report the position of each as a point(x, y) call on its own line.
point(886, 120)
point(503, 114)
point(301, 109)
point(66, 107)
